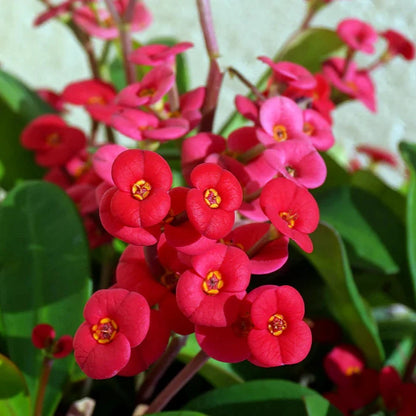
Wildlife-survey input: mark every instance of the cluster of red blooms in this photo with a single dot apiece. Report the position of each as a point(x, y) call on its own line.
point(192, 250)
point(358, 386)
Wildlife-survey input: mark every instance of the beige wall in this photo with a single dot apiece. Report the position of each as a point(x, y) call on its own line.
point(49, 57)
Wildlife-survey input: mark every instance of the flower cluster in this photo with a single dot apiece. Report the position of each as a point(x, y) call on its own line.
point(196, 252)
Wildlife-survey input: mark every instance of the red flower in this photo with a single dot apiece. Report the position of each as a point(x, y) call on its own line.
point(150, 349)
point(318, 129)
point(358, 35)
point(397, 44)
point(397, 395)
point(211, 204)
point(43, 337)
point(143, 179)
point(53, 141)
point(291, 209)
point(270, 257)
point(377, 154)
point(279, 335)
point(209, 293)
point(116, 320)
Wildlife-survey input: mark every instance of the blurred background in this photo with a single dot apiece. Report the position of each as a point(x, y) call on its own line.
point(48, 56)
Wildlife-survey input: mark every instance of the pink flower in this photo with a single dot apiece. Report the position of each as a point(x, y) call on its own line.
point(318, 129)
point(292, 74)
point(358, 35)
point(355, 83)
point(101, 24)
point(116, 321)
point(154, 85)
point(157, 54)
point(298, 161)
point(280, 120)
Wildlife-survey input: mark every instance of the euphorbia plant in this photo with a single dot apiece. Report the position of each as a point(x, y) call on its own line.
point(189, 231)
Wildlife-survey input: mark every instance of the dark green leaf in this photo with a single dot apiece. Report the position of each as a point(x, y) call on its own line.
point(312, 47)
point(408, 151)
point(330, 260)
point(219, 374)
point(392, 199)
point(263, 397)
point(178, 413)
point(18, 106)
point(373, 233)
point(14, 394)
point(43, 277)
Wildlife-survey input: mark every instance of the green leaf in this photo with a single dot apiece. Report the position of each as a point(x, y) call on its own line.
point(408, 151)
point(14, 394)
point(217, 373)
point(312, 47)
point(330, 260)
point(392, 199)
point(44, 269)
point(265, 398)
point(373, 233)
point(18, 106)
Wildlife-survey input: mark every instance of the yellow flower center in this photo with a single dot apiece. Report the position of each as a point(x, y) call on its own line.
point(212, 198)
point(105, 331)
point(276, 324)
point(212, 283)
point(280, 133)
point(289, 218)
point(141, 189)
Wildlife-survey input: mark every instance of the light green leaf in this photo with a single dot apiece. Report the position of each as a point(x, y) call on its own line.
point(14, 394)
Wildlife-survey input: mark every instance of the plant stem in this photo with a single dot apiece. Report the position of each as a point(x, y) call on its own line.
point(215, 76)
point(152, 260)
point(178, 382)
point(159, 368)
point(43, 382)
point(247, 83)
point(270, 235)
point(125, 37)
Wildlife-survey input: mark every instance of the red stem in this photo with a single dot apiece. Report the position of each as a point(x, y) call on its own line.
point(43, 382)
point(178, 382)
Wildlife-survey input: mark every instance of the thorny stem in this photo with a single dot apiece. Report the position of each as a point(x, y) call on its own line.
point(43, 382)
point(125, 37)
point(215, 76)
point(159, 368)
point(178, 382)
point(247, 83)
